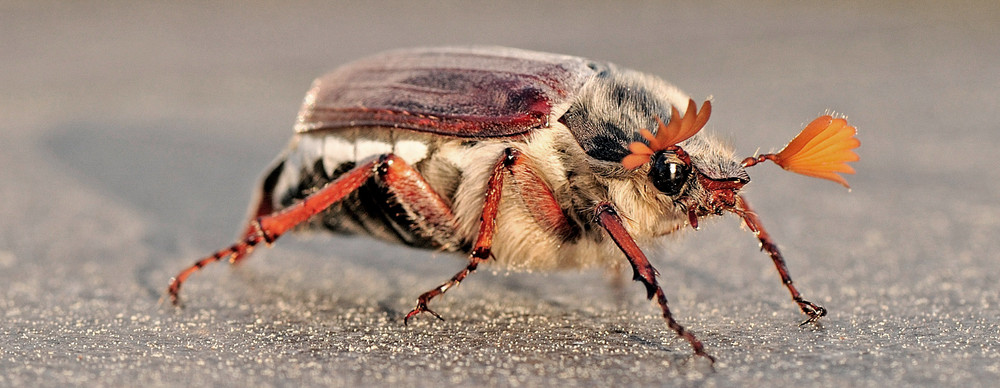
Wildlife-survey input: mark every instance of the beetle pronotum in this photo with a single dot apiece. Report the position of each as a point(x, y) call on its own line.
point(534, 160)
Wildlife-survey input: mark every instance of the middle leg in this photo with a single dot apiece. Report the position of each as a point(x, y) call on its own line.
point(539, 201)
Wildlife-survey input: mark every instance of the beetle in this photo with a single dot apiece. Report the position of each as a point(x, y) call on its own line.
point(531, 160)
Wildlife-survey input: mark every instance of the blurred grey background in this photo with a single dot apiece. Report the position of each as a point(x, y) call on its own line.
point(131, 134)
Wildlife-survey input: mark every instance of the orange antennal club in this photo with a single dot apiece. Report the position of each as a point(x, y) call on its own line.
point(821, 150)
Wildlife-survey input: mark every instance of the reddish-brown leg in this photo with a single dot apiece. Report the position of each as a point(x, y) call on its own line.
point(539, 200)
point(643, 271)
point(400, 179)
point(433, 217)
point(812, 310)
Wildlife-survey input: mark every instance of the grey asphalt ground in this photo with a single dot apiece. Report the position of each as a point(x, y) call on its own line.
point(131, 134)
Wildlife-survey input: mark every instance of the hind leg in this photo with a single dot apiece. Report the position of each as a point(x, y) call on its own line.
point(399, 178)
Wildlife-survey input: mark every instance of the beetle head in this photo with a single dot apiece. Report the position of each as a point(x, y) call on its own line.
point(704, 178)
point(701, 177)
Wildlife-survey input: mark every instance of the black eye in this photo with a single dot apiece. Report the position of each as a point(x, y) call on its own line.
point(668, 175)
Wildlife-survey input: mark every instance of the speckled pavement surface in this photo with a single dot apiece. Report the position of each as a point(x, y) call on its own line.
point(130, 136)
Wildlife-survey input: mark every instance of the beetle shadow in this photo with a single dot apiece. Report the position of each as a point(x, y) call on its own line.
point(168, 172)
point(164, 169)
point(677, 352)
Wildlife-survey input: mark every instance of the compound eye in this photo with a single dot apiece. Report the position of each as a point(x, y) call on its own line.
point(668, 174)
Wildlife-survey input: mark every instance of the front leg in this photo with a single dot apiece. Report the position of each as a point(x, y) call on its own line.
point(812, 310)
point(643, 271)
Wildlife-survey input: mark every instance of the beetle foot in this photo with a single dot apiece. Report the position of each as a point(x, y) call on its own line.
point(814, 311)
point(421, 308)
point(706, 356)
